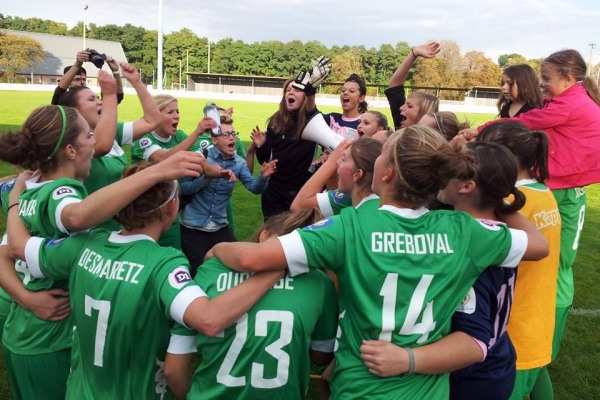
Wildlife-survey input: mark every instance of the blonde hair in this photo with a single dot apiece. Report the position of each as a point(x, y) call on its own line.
point(427, 103)
point(163, 100)
point(424, 162)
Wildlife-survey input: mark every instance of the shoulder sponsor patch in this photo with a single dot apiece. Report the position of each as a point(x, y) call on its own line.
point(62, 191)
point(468, 303)
point(318, 225)
point(145, 142)
point(204, 144)
point(179, 277)
point(491, 225)
point(54, 242)
point(8, 185)
point(338, 197)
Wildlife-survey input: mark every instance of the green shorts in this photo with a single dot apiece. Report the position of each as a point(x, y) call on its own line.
point(38, 377)
point(562, 313)
point(524, 382)
point(571, 205)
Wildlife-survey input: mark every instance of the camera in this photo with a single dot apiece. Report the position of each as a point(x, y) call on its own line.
point(97, 58)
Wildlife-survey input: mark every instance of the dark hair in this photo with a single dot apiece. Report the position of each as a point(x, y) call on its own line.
point(496, 177)
point(68, 67)
point(146, 207)
point(380, 118)
point(286, 222)
point(528, 86)
point(283, 120)
point(364, 152)
point(71, 97)
point(424, 163)
point(363, 105)
point(570, 62)
point(34, 146)
point(447, 123)
point(530, 148)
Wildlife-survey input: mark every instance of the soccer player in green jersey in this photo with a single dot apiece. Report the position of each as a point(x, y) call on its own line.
point(56, 141)
point(125, 291)
point(101, 115)
point(352, 162)
point(266, 353)
point(402, 269)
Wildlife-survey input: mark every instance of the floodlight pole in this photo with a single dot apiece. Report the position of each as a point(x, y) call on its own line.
point(160, 48)
point(592, 47)
point(84, 15)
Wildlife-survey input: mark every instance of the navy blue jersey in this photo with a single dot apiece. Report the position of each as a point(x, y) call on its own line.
point(347, 127)
point(484, 315)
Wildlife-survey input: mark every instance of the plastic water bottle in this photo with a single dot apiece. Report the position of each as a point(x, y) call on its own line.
point(211, 111)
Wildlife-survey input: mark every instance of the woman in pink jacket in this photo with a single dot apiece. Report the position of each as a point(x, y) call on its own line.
point(571, 118)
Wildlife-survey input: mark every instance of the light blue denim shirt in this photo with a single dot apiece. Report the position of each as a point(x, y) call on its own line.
point(212, 195)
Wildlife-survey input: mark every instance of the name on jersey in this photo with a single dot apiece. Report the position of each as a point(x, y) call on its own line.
point(404, 243)
point(97, 265)
point(27, 207)
point(227, 280)
point(545, 219)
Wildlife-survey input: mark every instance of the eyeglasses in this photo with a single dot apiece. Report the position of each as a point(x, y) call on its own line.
point(227, 135)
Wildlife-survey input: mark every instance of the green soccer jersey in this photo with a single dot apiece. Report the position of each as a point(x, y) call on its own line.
point(5, 300)
point(125, 292)
point(332, 202)
point(265, 354)
point(144, 147)
point(109, 168)
point(401, 274)
point(40, 207)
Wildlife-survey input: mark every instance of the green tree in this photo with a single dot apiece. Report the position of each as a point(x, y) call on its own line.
point(480, 70)
point(510, 59)
point(18, 53)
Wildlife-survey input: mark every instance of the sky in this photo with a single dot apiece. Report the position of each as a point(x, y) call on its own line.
point(532, 28)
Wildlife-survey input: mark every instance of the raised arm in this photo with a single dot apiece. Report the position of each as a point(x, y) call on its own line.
point(106, 202)
point(427, 50)
point(152, 116)
point(537, 245)
point(307, 196)
point(66, 80)
point(114, 68)
point(106, 129)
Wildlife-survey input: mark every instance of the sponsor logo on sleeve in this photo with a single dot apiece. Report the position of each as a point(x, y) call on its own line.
point(145, 142)
point(469, 303)
point(62, 191)
point(318, 225)
point(204, 144)
point(179, 277)
point(54, 242)
point(338, 197)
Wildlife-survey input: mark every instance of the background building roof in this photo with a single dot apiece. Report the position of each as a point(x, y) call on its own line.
point(60, 51)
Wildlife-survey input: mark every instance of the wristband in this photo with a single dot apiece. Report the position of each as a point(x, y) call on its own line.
point(413, 53)
point(11, 206)
point(411, 361)
point(116, 73)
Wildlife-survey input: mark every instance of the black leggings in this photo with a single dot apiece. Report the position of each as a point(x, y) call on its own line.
point(195, 243)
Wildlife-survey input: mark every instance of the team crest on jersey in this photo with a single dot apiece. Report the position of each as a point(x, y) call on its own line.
point(145, 142)
point(54, 242)
point(179, 277)
point(204, 144)
point(8, 185)
point(338, 197)
point(61, 192)
point(469, 303)
point(318, 225)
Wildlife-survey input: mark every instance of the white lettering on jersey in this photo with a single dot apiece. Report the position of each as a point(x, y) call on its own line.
point(61, 192)
point(547, 218)
point(27, 207)
point(227, 280)
point(469, 303)
point(108, 269)
point(285, 283)
point(398, 242)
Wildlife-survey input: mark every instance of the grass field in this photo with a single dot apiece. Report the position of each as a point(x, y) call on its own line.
point(576, 372)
